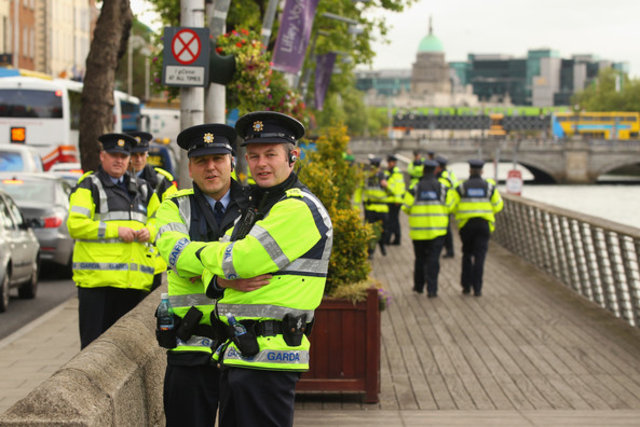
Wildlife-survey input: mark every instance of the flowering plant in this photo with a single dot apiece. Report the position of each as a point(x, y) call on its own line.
point(249, 89)
point(255, 86)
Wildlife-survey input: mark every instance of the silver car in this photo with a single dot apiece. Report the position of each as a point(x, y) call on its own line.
point(44, 201)
point(19, 253)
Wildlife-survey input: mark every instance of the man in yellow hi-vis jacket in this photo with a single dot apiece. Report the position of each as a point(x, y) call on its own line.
point(113, 265)
point(477, 202)
point(285, 232)
point(199, 214)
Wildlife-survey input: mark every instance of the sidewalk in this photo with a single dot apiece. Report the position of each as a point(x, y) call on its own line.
point(33, 353)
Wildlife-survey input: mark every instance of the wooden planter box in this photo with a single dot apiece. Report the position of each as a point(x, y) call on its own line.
point(345, 348)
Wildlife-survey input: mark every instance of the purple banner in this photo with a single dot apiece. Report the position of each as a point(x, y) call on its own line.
point(324, 69)
point(293, 36)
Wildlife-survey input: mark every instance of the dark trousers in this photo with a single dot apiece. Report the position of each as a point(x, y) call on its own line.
point(427, 264)
point(448, 241)
point(475, 243)
point(191, 395)
point(383, 219)
point(250, 397)
point(394, 224)
point(99, 308)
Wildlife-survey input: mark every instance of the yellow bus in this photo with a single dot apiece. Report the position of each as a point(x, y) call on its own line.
point(602, 125)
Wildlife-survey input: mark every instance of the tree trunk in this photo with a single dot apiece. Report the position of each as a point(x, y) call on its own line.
point(108, 45)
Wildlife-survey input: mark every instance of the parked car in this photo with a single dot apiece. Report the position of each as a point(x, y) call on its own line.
point(20, 254)
point(43, 200)
point(70, 172)
point(19, 158)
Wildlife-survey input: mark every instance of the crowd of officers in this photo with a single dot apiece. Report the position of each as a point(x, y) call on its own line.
point(432, 196)
point(246, 266)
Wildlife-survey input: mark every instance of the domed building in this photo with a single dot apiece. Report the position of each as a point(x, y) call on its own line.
point(430, 73)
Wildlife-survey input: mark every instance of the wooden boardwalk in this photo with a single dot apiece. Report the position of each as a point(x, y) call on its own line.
point(527, 346)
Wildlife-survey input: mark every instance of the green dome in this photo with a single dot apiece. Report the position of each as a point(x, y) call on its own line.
point(430, 43)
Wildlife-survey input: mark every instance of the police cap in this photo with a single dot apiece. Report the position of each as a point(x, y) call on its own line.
point(392, 158)
point(117, 143)
point(209, 138)
point(476, 163)
point(142, 141)
point(375, 161)
point(431, 152)
point(268, 127)
point(441, 160)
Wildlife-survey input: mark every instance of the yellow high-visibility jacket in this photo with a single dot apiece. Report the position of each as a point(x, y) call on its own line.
point(97, 208)
point(292, 241)
point(477, 198)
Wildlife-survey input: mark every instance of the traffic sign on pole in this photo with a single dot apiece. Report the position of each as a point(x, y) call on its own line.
point(514, 182)
point(186, 57)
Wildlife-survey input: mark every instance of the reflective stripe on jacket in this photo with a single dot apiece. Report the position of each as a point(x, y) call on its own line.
point(97, 209)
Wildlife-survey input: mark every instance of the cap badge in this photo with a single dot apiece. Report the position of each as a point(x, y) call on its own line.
point(121, 143)
point(138, 138)
point(258, 126)
point(208, 137)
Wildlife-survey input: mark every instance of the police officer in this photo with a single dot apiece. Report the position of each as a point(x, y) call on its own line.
point(373, 194)
point(428, 205)
point(448, 178)
point(396, 189)
point(286, 232)
point(163, 182)
point(415, 168)
point(477, 201)
point(197, 215)
point(160, 180)
point(112, 264)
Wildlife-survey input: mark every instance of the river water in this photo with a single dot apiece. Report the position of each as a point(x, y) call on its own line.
point(618, 202)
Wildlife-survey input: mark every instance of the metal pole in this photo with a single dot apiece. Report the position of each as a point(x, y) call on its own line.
point(130, 66)
point(267, 22)
point(191, 98)
point(147, 72)
point(216, 93)
point(16, 32)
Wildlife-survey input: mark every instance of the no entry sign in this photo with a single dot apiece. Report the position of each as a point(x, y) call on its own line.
point(186, 46)
point(186, 56)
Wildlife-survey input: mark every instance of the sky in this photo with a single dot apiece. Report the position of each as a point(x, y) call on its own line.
point(609, 29)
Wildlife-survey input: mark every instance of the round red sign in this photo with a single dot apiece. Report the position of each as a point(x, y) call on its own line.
point(185, 46)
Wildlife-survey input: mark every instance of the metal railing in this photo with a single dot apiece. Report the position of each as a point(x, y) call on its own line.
point(597, 258)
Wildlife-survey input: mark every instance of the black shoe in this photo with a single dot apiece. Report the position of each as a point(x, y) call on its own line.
point(477, 294)
point(396, 243)
point(466, 291)
point(432, 295)
point(417, 291)
point(383, 251)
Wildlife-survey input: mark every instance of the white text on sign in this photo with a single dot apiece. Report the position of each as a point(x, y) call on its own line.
point(184, 75)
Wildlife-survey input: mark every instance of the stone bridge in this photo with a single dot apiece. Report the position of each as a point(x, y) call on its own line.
point(570, 162)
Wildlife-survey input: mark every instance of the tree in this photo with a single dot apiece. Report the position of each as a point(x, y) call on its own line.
point(108, 45)
point(605, 95)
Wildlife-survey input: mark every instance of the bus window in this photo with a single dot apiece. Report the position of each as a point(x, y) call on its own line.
point(130, 115)
point(42, 104)
point(75, 105)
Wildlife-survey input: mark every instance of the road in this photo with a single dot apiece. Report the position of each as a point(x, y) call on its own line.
point(52, 291)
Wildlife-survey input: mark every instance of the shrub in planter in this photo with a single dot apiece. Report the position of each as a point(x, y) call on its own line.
point(329, 176)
